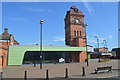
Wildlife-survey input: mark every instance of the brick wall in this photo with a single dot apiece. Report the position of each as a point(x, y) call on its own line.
point(75, 33)
point(4, 52)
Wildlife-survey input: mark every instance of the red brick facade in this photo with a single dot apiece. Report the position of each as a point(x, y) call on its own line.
point(75, 33)
point(74, 36)
point(102, 49)
point(6, 39)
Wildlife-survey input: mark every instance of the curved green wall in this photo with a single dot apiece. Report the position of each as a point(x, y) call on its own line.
point(16, 53)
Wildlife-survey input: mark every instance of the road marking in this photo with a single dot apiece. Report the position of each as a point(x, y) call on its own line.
point(108, 76)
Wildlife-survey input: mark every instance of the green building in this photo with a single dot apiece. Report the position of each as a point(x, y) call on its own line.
point(26, 54)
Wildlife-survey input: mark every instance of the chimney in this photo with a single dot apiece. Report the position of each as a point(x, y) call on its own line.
point(73, 7)
point(6, 30)
point(11, 39)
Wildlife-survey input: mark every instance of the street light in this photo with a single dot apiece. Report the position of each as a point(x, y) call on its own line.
point(105, 44)
point(41, 22)
point(86, 42)
point(98, 47)
point(34, 60)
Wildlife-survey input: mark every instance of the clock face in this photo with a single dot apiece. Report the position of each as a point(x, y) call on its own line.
point(77, 20)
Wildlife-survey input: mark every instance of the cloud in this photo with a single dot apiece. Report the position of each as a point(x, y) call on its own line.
point(17, 19)
point(59, 38)
point(89, 8)
point(110, 36)
point(92, 41)
point(101, 39)
point(37, 10)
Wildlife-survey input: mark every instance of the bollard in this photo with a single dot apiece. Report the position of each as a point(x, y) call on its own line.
point(83, 70)
point(1, 75)
point(66, 73)
point(47, 75)
point(25, 78)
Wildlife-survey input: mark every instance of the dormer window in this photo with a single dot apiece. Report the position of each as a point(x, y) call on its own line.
point(75, 10)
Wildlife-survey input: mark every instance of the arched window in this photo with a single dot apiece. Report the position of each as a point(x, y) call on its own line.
point(75, 33)
point(80, 33)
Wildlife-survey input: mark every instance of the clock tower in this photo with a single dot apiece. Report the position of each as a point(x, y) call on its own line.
point(75, 33)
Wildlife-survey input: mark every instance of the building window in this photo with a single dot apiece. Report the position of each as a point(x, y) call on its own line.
point(77, 33)
point(76, 10)
point(80, 33)
point(74, 33)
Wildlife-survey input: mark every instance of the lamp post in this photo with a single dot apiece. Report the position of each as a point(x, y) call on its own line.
point(41, 22)
point(34, 60)
point(98, 47)
point(86, 42)
point(105, 44)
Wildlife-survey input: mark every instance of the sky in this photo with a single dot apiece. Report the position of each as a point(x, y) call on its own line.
point(119, 25)
point(59, 0)
point(22, 19)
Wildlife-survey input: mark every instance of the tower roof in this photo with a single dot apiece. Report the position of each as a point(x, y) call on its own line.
point(72, 7)
point(5, 35)
point(74, 11)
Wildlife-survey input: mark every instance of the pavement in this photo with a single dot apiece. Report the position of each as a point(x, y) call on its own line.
point(57, 71)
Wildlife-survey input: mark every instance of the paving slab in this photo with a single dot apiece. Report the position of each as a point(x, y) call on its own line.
point(57, 71)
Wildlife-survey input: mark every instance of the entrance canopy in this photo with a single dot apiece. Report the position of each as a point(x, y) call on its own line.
point(17, 52)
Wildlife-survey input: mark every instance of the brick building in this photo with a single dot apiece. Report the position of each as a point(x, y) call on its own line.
point(75, 39)
point(100, 52)
point(116, 52)
point(6, 40)
point(75, 33)
point(102, 49)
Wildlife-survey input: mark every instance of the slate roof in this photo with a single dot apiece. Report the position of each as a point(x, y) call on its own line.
point(5, 35)
point(2, 37)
